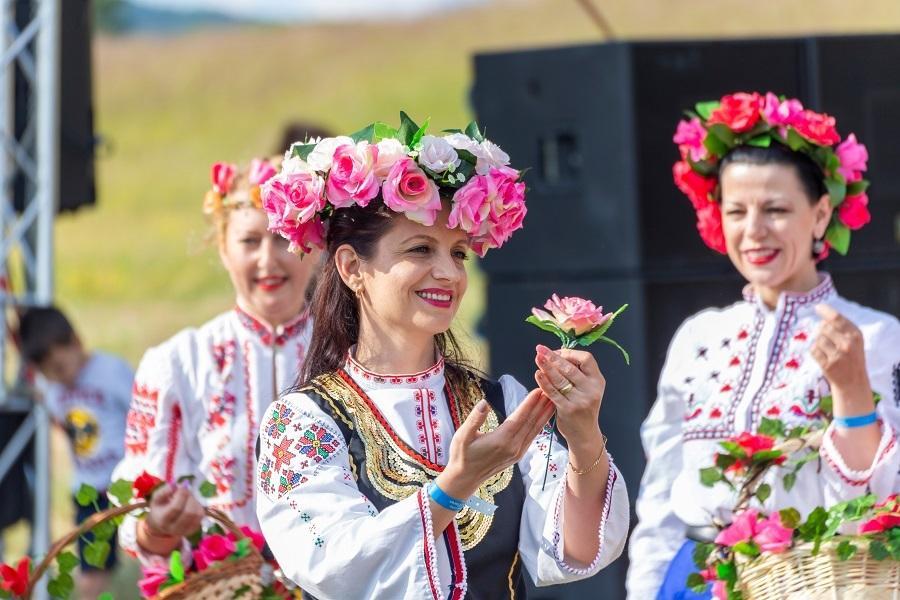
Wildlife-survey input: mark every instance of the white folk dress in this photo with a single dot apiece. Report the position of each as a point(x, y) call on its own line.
point(197, 404)
point(356, 523)
point(728, 368)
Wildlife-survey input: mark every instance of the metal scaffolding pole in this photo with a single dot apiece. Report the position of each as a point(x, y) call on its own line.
point(30, 153)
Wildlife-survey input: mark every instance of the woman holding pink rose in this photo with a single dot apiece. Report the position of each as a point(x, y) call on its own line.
point(394, 469)
point(775, 188)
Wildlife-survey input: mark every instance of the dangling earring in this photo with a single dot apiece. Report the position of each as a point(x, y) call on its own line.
point(818, 247)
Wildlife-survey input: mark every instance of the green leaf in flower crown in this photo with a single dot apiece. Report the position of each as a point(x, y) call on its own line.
point(66, 562)
point(407, 130)
point(760, 141)
point(96, 553)
point(701, 553)
point(857, 187)
point(366, 134)
point(846, 549)
point(383, 131)
point(709, 476)
point(207, 489)
point(837, 190)
point(832, 162)
point(467, 158)
point(877, 550)
point(795, 141)
point(473, 132)
point(420, 132)
point(86, 495)
point(705, 109)
point(763, 492)
point(724, 134)
point(176, 568)
point(838, 235)
point(715, 146)
point(790, 517)
point(696, 583)
point(121, 490)
point(302, 151)
point(706, 168)
point(788, 481)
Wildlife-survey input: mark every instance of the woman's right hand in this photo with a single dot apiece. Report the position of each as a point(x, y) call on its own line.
point(476, 456)
point(174, 512)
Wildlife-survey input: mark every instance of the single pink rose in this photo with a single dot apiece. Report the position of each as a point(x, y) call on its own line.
point(211, 549)
point(742, 528)
point(772, 536)
point(352, 179)
point(853, 157)
point(295, 196)
point(572, 314)
point(303, 237)
point(471, 207)
point(739, 112)
point(261, 171)
point(854, 211)
point(489, 208)
point(719, 591)
point(407, 189)
point(817, 128)
point(223, 177)
point(153, 577)
point(780, 112)
point(689, 136)
point(709, 224)
point(880, 523)
point(255, 537)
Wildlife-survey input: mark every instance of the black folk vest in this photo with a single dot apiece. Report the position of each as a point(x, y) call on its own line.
point(387, 470)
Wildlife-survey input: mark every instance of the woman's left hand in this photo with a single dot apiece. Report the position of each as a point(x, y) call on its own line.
point(573, 382)
point(840, 352)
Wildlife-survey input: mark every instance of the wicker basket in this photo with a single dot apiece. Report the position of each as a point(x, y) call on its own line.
point(220, 581)
point(798, 575)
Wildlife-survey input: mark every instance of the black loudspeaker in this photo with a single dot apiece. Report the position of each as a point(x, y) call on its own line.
point(76, 118)
point(606, 222)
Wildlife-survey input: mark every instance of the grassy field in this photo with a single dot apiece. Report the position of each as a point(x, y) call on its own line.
point(134, 270)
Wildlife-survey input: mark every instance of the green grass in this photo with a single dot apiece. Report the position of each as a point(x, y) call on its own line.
point(134, 270)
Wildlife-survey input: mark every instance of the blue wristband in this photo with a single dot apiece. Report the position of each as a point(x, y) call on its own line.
point(443, 499)
point(857, 421)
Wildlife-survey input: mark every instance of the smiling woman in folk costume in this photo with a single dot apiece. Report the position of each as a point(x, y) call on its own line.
point(774, 188)
point(394, 470)
point(198, 397)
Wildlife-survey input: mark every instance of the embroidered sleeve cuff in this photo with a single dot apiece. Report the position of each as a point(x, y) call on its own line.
point(887, 447)
point(558, 550)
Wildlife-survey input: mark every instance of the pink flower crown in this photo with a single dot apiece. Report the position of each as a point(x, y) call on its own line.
point(409, 171)
point(225, 194)
point(749, 119)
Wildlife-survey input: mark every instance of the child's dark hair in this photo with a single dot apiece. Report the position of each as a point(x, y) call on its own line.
point(42, 328)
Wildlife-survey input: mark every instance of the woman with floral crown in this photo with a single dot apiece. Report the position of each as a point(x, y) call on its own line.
point(774, 188)
point(394, 470)
point(198, 397)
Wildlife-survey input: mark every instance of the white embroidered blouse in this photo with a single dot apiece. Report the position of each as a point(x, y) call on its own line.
point(728, 368)
point(197, 403)
point(329, 538)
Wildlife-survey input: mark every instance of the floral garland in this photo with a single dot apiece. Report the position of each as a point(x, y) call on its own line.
point(406, 169)
point(223, 193)
point(750, 119)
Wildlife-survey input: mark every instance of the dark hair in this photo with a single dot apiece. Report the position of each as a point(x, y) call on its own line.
point(334, 308)
point(809, 173)
point(42, 329)
point(300, 131)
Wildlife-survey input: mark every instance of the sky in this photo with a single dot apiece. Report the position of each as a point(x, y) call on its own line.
point(313, 10)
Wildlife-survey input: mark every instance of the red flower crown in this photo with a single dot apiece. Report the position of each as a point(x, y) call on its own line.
point(750, 119)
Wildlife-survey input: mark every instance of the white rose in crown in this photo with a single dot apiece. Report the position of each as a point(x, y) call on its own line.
point(322, 155)
point(295, 164)
point(390, 150)
point(437, 154)
point(461, 141)
point(490, 156)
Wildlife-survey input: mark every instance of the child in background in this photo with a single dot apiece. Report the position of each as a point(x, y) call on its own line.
point(88, 395)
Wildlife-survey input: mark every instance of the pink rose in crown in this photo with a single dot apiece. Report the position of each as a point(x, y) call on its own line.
point(780, 112)
point(293, 197)
point(390, 151)
point(817, 128)
point(695, 186)
point(255, 537)
point(572, 314)
point(223, 177)
point(153, 577)
point(489, 208)
point(409, 190)
point(739, 112)
point(303, 237)
point(689, 136)
point(772, 536)
point(854, 211)
point(211, 549)
point(709, 224)
point(260, 171)
point(352, 177)
point(853, 157)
